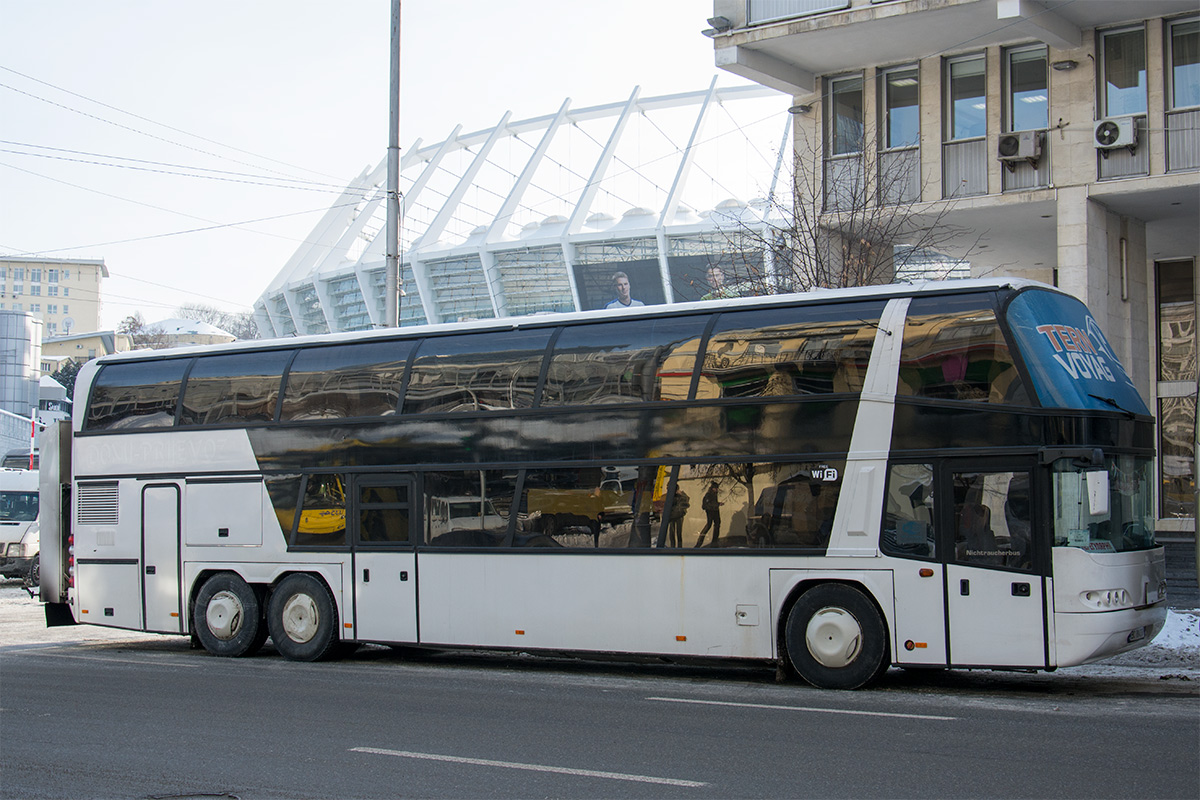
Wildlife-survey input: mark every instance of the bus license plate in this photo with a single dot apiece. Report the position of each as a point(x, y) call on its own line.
point(1137, 634)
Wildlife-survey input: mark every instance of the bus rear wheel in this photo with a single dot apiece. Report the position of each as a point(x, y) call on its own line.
point(835, 638)
point(302, 619)
point(227, 617)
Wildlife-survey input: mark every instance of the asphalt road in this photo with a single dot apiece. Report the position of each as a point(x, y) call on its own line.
point(153, 718)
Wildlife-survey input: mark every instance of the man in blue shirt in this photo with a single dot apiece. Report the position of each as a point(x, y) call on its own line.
point(621, 287)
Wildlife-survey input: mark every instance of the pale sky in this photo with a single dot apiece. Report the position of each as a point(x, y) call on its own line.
point(281, 92)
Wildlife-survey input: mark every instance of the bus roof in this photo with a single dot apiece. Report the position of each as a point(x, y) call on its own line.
point(539, 320)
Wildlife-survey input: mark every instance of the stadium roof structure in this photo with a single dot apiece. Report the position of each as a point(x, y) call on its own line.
point(538, 215)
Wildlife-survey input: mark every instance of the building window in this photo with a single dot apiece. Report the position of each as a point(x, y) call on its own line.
point(35, 308)
point(1176, 306)
point(902, 123)
point(35, 275)
point(66, 274)
point(1028, 96)
point(845, 116)
point(52, 326)
point(35, 289)
point(52, 291)
point(18, 289)
point(65, 310)
point(966, 98)
point(1185, 64)
point(66, 291)
point(18, 273)
point(52, 275)
point(51, 309)
point(18, 307)
point(1123, 67)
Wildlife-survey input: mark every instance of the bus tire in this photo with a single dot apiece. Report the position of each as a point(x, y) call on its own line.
point(302, 618)
point(35, 571)
point(227, 617)
point(835, 637)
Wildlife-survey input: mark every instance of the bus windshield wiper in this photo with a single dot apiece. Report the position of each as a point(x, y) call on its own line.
point(1114, 404)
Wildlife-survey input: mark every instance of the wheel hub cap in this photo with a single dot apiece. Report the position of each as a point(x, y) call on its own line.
point(300, 618)
point(834, 637)
point(224, 615)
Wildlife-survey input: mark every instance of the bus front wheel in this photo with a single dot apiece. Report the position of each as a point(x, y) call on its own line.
point(835, 637)
point(227, 618)
point(302, 618)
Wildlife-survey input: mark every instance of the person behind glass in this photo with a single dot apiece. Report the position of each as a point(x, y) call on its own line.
point(712, 512)
point(621, 287)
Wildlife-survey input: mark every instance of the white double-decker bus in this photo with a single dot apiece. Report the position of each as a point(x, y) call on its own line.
point(951, 474)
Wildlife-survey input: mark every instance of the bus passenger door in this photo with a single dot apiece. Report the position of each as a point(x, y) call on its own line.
point(162, 600)
point(995, 592)
point(385, 576)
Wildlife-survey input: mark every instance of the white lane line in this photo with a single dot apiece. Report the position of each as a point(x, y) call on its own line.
point(142, 662)
point(484, 762)
point(799, 708)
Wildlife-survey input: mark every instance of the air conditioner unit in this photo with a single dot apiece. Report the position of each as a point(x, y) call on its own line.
point(1020, 146)
point(1115, 132)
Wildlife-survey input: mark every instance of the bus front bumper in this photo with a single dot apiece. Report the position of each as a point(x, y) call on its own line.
point(1086, 637)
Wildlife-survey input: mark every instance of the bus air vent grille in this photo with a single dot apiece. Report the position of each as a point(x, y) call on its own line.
point(97, 503)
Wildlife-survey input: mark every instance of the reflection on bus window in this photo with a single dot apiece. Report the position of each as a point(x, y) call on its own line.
point(351, 380)
point(238, 388)
point(908, 514)
point(284, 491)
point(1128, 523)
point(756, 505)
point(473, 372)
point(136, 394)
point(468, 508)
point(322, 512)
point(383, 513)
point(624, 362)
point(992, 523)
point(580, 507)
point(954, 350)
point(765, 352)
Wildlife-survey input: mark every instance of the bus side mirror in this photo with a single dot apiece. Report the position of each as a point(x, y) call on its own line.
point(1097, 491)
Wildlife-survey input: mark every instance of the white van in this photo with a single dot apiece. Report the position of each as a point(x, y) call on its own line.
point(19, 539)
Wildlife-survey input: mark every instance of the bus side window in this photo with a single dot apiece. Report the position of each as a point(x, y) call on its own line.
point(137, 394)
point(624, 362)
point(352, 380)
point(908, 512)
point(477, 371)
point(322, 520)
point(468, 508)
point(765, 352)
point(954, 350)
point(284, 491)
point(235, 388)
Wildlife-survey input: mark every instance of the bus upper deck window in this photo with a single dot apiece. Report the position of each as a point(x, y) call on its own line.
point(476, 371)
point(351, 380)
point(624, 362)
point(235, 388)
point(769, 352)
point(135, 394)
point(954, 350)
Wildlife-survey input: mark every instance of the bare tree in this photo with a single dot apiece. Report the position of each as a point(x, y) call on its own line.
point(239, 324)
point(142, 335)
point(852, 220)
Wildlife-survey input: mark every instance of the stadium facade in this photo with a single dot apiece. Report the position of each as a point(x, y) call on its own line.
point(537, 215)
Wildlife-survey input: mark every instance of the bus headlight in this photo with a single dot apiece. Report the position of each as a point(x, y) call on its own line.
point(1104, 599)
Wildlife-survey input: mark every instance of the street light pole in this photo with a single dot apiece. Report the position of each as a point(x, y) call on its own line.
point(391, 282)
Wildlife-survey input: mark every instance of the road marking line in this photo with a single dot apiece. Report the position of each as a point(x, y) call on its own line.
point(799, 708)
point(142, 662)
point(484, 762)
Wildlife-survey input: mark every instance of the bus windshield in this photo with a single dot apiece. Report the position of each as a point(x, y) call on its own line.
point(18, 506)
point(1128, 521)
